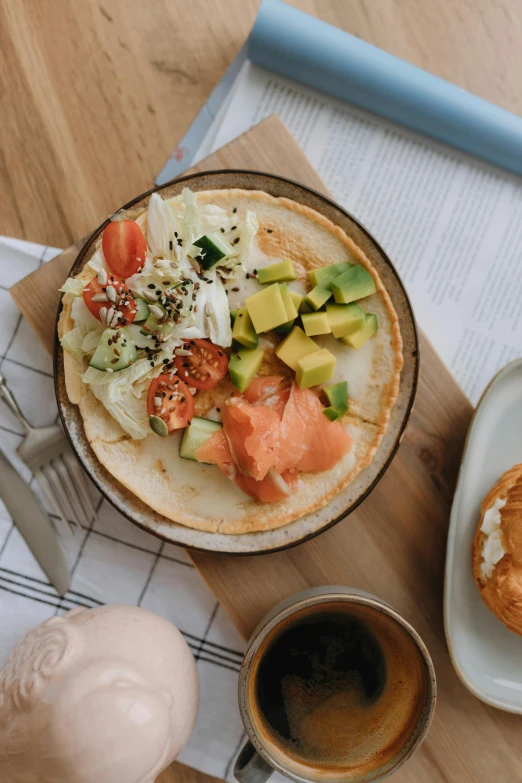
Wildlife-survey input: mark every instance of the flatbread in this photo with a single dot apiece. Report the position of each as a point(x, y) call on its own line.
point(199, 496)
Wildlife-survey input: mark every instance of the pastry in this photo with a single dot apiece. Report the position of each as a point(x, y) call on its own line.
point(497, 549)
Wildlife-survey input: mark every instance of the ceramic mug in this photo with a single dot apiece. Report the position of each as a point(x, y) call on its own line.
point(266, 752)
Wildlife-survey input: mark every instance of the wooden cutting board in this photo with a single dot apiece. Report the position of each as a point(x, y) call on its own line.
point(393, 545)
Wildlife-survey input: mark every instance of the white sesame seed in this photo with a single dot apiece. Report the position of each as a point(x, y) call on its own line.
point(157, 402)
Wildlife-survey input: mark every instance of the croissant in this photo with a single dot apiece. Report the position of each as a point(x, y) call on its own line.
point(497, 549)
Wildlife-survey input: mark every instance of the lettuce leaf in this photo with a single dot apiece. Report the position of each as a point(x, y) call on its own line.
point(73, 286)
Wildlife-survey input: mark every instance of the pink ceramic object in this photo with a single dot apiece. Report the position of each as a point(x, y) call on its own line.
point(105, 695)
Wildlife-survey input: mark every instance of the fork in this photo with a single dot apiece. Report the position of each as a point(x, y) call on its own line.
point(48, 455)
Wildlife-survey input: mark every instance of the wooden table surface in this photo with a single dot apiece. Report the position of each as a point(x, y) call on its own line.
point(95, 95)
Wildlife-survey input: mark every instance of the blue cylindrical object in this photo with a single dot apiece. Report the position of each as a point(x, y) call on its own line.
point(314, 53)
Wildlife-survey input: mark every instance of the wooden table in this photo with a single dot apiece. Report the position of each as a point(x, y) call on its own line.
point(95, 94)
point(89, 105)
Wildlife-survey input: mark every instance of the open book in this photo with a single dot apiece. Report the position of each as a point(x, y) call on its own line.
point(451, 223)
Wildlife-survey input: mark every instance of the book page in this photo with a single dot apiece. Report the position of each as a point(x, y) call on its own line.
point(451, 225)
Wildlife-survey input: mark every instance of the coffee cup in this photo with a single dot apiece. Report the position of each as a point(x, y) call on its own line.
point(335, 686)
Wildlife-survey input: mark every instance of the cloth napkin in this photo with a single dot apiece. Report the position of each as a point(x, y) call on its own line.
point(113, 561)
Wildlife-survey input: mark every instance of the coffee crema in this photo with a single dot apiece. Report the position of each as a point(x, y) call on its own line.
point(336, 690)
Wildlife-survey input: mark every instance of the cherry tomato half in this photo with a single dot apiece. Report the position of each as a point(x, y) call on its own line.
point(95, 297)
point(169, 398)
point(124, 247)
point(206, 365)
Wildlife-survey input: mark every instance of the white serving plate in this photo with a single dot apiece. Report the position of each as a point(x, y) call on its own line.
point(486, 656)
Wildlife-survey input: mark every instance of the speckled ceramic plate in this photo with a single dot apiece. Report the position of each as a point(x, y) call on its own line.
point(306, 527)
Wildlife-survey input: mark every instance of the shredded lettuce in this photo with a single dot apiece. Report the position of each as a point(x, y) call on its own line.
point(213, 314)
point(72, 343)
point(91, 340)
point(97, 262)
point(129, 412)
point(247, 231)
point(162, 227)
point(74, 286)
point(83, 318)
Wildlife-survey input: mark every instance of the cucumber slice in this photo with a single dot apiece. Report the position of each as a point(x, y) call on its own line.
point(195, 435)
point(213, 249)
point(115, 351)
point(142, 310)
point(152, 327)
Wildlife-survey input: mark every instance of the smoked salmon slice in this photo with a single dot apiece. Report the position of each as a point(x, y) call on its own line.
point(269, 433)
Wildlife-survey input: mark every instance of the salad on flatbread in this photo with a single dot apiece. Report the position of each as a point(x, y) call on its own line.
point(234, 357)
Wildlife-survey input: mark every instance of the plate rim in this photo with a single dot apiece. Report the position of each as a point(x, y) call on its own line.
point(415, 357)
point(449, 567)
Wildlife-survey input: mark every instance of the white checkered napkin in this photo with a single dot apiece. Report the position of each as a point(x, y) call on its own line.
point(113, 561)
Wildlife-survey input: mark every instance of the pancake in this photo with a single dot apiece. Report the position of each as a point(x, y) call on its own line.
point(199, 496)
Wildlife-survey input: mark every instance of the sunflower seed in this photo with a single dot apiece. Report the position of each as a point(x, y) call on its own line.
point(156, 311)
point(102, 277)
point(100, 298)
point(109, 315)
point(158, 402)
point(182, 352)
point(111, 293)
point(103, 315)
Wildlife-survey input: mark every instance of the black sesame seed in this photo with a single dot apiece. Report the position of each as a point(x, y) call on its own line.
point(222, 230)
point(269, 231)
point(151, 285)
point(233, 228)
point(170, 244)
point(234, 210)
point(235, 290)
point(247, 276)
point(218, 410)
point(236, 240)
point(180, 241)
point(255, 271)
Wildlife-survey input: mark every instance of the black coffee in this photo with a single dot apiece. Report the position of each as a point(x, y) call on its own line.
point(338, 687)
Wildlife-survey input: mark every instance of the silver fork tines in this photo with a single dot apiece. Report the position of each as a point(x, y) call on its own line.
point(47, 453)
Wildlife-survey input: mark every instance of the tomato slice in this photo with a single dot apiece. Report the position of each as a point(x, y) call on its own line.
point(124, 247)
point(170, 399)
point(125, 303)
point(206, 365)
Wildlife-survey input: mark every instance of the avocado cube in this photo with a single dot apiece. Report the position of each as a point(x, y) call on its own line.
point(267, 309)
point(293, 347)
point(243, 331)
point(285, 329)
point(315, 323)
point(345, 318)
point(337, 395)
point(298, 298)
point(317, 297)
point(291, 309)
point(233, 314)
point(315, 368)
point(324, 275)
point(244, 365)
point(355, 283)
point(358, 339)
point(213, 248)
point(277, 273)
